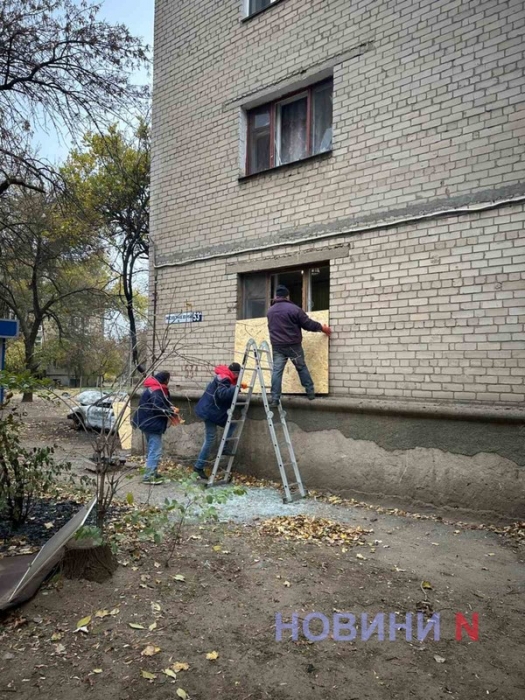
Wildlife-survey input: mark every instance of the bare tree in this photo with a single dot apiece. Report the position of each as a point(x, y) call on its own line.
point(60, 65)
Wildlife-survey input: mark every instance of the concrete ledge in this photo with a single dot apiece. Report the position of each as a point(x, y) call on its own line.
point(399, 407)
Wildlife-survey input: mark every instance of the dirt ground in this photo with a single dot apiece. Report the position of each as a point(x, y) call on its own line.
point(232, 580)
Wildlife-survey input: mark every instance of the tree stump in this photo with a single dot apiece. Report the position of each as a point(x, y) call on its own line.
point(85, 560)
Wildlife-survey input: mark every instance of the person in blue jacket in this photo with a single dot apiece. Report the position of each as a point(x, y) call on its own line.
point(152, 418)
point(213, 409)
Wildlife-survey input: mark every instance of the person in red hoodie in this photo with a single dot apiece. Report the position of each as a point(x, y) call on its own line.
point(152, 418)
point(213, 409)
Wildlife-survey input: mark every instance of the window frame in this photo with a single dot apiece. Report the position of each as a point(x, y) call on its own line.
point(306, 291)
point(248, 14)
point(273, 107)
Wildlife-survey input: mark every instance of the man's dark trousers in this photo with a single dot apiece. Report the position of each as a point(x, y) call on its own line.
point(295, 353)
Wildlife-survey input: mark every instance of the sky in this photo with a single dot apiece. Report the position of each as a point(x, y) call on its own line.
point(137, 15)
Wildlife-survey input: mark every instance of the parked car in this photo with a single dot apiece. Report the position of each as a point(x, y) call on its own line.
point(95, 409)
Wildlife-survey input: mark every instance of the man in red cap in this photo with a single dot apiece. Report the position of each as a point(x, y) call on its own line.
point(213, 409)
point(285, 321)
point(152, 418)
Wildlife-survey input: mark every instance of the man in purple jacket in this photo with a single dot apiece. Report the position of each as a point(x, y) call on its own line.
point(285, 320)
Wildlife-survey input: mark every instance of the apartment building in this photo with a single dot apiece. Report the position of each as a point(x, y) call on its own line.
point(370, 155)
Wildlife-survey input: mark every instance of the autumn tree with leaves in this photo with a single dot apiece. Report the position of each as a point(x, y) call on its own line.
point(49, 271)
point(107, 183)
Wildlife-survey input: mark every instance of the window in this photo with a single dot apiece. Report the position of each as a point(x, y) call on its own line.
point(290, 129)
point(255, 6)
point(309, 288)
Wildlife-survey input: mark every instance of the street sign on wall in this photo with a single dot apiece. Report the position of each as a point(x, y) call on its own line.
point(185, 317)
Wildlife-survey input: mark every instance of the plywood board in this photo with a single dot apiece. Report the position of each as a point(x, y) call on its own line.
point(121, 411)
point(315, 347)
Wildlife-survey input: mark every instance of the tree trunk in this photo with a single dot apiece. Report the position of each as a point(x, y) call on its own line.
point(85, 560)
point(127, 284)
point(31, 365)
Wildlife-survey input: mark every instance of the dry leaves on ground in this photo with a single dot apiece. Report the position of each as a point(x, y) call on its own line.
point(306, 528)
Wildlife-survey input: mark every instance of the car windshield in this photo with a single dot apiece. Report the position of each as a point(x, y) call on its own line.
point(110, 399)
point(89, 397)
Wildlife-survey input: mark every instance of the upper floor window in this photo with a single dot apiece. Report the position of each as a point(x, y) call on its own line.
point(258, 5)
point(289, 129)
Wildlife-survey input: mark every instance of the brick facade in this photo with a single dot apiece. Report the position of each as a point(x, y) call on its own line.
point(425, 186)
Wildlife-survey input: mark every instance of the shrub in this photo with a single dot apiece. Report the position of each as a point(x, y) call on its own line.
point(25, 474)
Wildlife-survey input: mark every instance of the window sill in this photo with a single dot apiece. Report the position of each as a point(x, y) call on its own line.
point(261, 173)
point(260, 12)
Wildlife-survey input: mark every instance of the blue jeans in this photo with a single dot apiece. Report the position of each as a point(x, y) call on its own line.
point(153, 453)
point(281, 355)
point(209, 438)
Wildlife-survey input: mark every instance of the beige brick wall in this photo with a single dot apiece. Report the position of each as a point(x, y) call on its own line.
point(420, 311)
point(430, 117)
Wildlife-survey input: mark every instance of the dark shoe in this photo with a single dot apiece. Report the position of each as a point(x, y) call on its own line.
point(201, 474)
point(274, 403)
point(310, 397)
point(153, 480)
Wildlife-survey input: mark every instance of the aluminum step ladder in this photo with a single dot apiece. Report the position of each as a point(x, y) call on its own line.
point(293, 490)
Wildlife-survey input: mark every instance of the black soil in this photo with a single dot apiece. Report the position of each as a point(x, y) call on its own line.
point(34, 533)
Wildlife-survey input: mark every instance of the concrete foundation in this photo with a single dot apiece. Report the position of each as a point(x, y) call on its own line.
point(458, 457)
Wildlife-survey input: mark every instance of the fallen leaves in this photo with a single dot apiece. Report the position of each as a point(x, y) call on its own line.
point(102, 613)
point(150, 650)
point(136, 626)
point(148, 676)
point(307, 528)
point(515, 531)
point(212, 655)
point(180, 666)
point(84, 622)
point(178, 577)
point(182, 694)
point(170, 673)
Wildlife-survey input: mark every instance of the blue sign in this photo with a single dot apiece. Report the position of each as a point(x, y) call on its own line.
point(186, 317)
point(8, 328)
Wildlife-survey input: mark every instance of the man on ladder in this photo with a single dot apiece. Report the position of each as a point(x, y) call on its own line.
point(213, 409)
point(285, 321)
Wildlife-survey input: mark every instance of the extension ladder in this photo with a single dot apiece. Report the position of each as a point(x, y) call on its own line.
point(292, 490)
